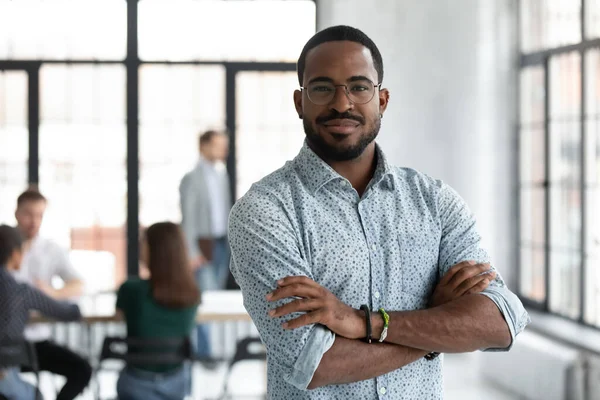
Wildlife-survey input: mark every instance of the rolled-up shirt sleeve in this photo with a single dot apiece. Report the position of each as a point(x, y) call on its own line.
point(264, 249)
point(461, 242)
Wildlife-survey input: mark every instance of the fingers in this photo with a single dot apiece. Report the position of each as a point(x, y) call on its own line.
point(295, 306)
point(470, 283)
point(446, 278)
point(291, 280)
point(303, 320)
point(467, 272)
point(293, 290)
point(480, 287)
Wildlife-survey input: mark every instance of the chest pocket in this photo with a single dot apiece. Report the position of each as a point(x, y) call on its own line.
point(419, 261)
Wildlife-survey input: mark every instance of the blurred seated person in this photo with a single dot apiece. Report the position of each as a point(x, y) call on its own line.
point(162, 306)
point(16, 302)
point(43, 260)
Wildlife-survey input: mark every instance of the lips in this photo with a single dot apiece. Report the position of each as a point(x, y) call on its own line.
point(345, 126)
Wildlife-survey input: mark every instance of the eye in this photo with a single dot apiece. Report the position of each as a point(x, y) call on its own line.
point(359, 88)
point(322, 89)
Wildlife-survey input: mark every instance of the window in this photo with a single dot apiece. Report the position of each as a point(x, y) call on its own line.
point(592, 185)
point(112, 120)
point(62, 29)
point(559, 157)
point(267, 124)
point(177, 103)
point(82, 160)
point(532, 183)
point(224, 30)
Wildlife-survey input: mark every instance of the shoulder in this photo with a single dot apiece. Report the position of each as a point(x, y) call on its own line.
point(47, 246)
point(413, 180)
point(132, 285)
point(9, 283)
point(269, 196)
point(192, 175)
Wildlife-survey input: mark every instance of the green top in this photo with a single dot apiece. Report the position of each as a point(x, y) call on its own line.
point(147, 319)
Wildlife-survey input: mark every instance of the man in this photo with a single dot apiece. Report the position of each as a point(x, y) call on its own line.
point(16, 301)
point(205, 204)
point(43, 260)
point(357, 273)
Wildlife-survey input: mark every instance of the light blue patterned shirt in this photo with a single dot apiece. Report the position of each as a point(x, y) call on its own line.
point(387, 249)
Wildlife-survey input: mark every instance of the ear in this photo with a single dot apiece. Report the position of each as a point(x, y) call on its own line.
point(384, 98)
point(298, 102)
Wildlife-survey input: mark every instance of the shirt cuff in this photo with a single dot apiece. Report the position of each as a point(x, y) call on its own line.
point(320, 340)
point(512, 310)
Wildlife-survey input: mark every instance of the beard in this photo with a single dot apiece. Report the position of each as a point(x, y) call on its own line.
point(340, 152)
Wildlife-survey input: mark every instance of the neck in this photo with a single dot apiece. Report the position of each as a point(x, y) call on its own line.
point(26, 241)
point(358, 171)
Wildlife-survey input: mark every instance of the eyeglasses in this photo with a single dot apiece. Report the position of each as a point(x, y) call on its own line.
point(358, 92)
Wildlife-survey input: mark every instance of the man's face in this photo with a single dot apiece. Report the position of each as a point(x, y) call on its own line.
point(341, 129)
point(29, 217)
point(217, 149)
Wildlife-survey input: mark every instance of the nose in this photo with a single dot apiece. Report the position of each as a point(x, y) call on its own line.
point(341, 102)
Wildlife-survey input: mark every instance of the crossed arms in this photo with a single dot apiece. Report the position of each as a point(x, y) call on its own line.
point(467, 311)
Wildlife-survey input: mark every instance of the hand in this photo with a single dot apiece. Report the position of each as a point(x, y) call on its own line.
point(45, 288)
point(466, 277)
point(320, 305)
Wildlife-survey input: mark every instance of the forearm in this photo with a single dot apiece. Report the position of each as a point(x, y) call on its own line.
point(467, 324)
point(352, 361)
point(71, 289)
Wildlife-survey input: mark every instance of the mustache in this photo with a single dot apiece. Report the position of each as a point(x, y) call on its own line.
point(337, 115)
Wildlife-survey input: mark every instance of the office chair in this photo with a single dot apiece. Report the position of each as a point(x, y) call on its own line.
point(21, 354)
point(244, 352)
point(144, 352)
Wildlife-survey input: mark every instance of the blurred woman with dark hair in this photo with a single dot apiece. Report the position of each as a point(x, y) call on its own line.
point(163, 306)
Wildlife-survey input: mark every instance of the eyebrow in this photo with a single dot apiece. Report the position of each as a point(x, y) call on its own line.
point(329, 80)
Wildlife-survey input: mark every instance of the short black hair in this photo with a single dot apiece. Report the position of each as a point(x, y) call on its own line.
point(207, 137)
point(339, 33)
point(10, 240)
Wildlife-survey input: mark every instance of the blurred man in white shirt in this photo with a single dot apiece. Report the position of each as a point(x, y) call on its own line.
point(44, 260)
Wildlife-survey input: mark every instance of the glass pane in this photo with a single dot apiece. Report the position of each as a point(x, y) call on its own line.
point(565, 267)
point(63, 29)
point(533, 216)
point(592, 218)
point(592, 298)
point(592, 116)
point(592, 19)
point(565, 152)
point(177, 103)
point(532, 96)
point(565, 86)
point(238, 30)
point(268, 131)
point(533, 273)
point(532, 153)
point(82, 167)
point(565, 219)
point(14, 141)
point(549, 23)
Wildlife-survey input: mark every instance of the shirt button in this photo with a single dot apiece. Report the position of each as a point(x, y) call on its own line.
point(373, 246)
point(382, 391)
point(376, 295)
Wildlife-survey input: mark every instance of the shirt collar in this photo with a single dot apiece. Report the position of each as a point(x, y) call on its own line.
point(316, 173)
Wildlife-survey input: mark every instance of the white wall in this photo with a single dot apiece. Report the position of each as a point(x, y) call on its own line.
point(451, 68)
